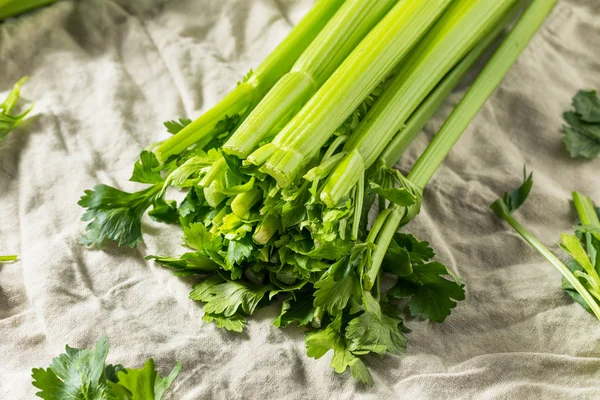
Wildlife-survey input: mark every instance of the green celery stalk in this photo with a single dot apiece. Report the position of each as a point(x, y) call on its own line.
point(247, 94)
point(12, 8)
point(491, 76)
point(464, 24)
point(585, 210)
point(10, 258)
point(346, 29)
point(501, 209)
point(370, 62)
point(392, 153)
point(485, 84)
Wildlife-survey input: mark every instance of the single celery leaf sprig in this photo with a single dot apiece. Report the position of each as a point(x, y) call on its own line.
point(582, 131)
point(580, 275)
point(8, 121)
point(83, 374)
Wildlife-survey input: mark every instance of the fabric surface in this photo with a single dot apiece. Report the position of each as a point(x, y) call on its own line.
point(105, 74)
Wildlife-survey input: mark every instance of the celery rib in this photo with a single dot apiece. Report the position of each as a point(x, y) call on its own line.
point(585, 210)
point(452, 37)
point(248, 93)
point(393, 152)
point(370, 62)
point(480, 90)
point(485, 84)
point(347, 28)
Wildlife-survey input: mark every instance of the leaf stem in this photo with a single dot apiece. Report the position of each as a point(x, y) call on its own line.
point(502, 211)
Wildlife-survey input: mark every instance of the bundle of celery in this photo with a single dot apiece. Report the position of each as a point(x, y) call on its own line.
point(12, 8)
point(280, 175)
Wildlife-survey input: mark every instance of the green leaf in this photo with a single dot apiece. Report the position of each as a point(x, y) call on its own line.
point(147, 169)
point(571, 291)
point(587, 105)
point(174, 126)
point(431, 295)
point(517, 197)
point(319, 342)
point(8, 121)
point(164, 211)
point(397, 260)
point(582, 132)
point(420, 251)
point(115, 215)
point(299, 310)
point(579, 144)
point(144, 383)
point(376, 332)
point(239, 251)
point(233, 323)
point(229, 297)
point(76, 374)
point(188, 264)
point(199, 238)
point(335, 288)
point(111, 372)
point(399, 196)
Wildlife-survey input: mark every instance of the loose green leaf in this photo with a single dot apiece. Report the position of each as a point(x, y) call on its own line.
point(587, 105)
point(144, 383)
point(77, 374)
point(83, 375)
point(115, 215)
point(582, 131)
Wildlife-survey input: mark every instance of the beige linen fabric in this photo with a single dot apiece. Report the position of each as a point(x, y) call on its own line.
point(106, 73)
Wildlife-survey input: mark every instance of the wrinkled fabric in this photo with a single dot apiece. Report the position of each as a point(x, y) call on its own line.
point(105, 74)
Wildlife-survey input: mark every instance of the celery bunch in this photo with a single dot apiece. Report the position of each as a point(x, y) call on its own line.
point(281, 174)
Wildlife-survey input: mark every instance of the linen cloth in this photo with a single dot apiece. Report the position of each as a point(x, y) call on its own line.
point(105, 74)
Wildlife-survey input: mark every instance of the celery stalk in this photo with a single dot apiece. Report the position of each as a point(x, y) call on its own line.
point(392, 153)
point(585, 210)
point(485, 84)
point(464, 24)
point(11, 8)
point(11, 258)
point(370, 62)
point(347, 28)
point(480, 90)
point(247, 94)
